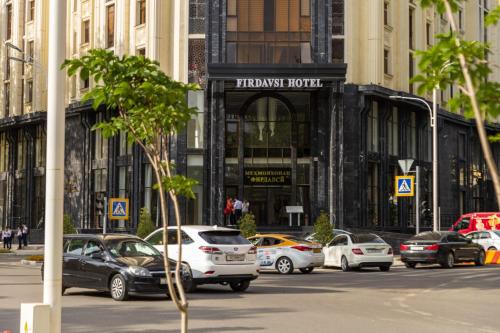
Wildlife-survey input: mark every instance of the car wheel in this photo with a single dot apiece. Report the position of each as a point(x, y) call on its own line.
point(410, 264)
point(480, 258)
point(385, 268)
point(492, 248)
point(240, 286)
point(306, 270)
point(118, 288)
point(187, 280)
point(450, 261)
point(284, 265)
point(344, 264)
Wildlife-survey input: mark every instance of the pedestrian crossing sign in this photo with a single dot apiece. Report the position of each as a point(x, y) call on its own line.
point(405, 186)
point(118, 209)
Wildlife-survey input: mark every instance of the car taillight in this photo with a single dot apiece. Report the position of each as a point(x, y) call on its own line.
point(301, 248)
point(210, 249)
point(403, 247)
point(357, 251)
point(390, 251)
point(434, 247)
point(253, 250)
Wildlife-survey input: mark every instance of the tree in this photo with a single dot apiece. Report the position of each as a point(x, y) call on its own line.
point(453, 60)
point(323, 230)
point(68, 227)
point(146, 225)
point(150, 108)
point(247, 225)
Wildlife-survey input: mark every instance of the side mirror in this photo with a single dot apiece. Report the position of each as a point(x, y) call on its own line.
point(97, 256)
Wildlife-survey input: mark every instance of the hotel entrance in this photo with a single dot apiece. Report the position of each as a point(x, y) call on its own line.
point(268, 152)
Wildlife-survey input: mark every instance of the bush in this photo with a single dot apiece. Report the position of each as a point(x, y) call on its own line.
point(146, 225)
point(68, 227)
point(323, 229)
point(37, 258)
point(247, 225)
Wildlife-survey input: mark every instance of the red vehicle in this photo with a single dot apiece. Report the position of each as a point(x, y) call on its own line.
point(477, 222)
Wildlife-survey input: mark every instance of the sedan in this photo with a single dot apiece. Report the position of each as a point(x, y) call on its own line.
point(335, 232)
point(286, 253)
point(488, 239)
point(444, 248)
point(120, 264)
point(358, 251)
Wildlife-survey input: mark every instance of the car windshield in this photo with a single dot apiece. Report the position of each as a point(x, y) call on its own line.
point(366, 238)
point(131, 248)
point(497, 233)
point(224, 237)
point(431, 236)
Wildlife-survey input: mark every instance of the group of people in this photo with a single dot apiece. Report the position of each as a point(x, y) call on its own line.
point(8, 235)
point(235, 209)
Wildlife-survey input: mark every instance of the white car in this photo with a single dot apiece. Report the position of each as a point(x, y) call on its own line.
point(488, 239)
point(357, 251)
point(311, 237)
point(213, 254)
point(286, 253)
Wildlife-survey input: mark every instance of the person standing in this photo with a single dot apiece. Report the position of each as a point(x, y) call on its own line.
point(25, 235)
point(228, 210)
point(246, 207)
point(238, 206)
point(19, 235)
point(3, 233)
point(8, 238)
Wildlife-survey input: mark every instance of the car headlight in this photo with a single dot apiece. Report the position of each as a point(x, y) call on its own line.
point(138, 271)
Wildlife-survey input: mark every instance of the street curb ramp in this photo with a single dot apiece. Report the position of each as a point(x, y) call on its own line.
point(492, 258)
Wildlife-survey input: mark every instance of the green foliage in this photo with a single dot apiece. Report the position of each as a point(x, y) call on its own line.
point(439, 5)
point(247, 225)
point(68, 227)
point(146, 225)
point(323, 230)
point(493, 16)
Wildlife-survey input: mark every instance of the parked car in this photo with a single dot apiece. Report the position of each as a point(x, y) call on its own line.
point(444, 248)
point(286, 253)
point(476, 222)
point(358, 251)
point(120, 264)
point(311, 237)
point(213, 254)
point(488, 239)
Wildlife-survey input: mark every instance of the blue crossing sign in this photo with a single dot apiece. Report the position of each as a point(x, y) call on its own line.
point(118, 209)
point(405, 186)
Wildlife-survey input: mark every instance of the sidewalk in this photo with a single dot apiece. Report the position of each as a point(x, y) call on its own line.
point(30, 250)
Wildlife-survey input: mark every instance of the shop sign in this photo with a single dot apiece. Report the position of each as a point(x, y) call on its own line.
point(268, 176)
point(279, 83)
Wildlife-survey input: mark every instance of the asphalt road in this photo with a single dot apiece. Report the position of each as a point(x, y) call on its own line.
point(463, 299)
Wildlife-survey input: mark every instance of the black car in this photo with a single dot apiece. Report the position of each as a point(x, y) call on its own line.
point(120, 264)
point(444, 248)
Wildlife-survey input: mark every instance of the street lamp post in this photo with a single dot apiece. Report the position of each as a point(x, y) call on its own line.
point(433, 124)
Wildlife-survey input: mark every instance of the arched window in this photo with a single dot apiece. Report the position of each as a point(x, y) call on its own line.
point(268, 129)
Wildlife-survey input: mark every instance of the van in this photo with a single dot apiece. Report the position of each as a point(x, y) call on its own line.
point(477, 221)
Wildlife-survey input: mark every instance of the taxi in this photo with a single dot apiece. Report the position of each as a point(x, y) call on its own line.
point(285, 253)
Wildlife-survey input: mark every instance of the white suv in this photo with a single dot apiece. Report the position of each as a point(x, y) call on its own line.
point(214, 255)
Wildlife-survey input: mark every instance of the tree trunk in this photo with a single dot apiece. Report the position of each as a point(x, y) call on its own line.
point(483, 138)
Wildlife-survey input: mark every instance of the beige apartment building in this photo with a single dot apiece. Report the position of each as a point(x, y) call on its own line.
point(376, 39)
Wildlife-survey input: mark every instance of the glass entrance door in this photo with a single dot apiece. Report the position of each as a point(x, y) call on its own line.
point(268, 204)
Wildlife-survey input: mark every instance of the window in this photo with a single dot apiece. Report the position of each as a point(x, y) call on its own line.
point(9, 21)
point(372, 141)
point(86, 31)
point(141, 12)
point(6, 92)
point(483, 12)
point(270, 31)
point(85, 84)
point(387, 69)
point(270, 241)
point(338, 50)
point(411, 28)
point(460, 19)
point(337, 17)
point(224, 237)
point(428, 33)
point(110, 26)
point(30, 15)
point(75, 247)
point(197, 14)
point(411, 72)
point(141, 51)
point(195, 125)
point(31, 50)
point(29, 91)
point(40, 143)
point(4, 152)
point(93, 247)
point(393, 132)
point(172, 237)
point(196, 60)
point(411, 139)
point(386, 12)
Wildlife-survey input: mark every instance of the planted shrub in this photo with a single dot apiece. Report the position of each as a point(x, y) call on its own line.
point(146, 225)
point(247, 225)
point(323, 229)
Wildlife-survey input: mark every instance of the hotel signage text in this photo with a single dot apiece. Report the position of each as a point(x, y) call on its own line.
point(279, 83)
point(268, 176)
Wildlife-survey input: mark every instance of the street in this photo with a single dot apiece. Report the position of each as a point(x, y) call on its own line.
point(428, 299)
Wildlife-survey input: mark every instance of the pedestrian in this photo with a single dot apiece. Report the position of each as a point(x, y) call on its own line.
point(25, 235)
point(228, 210)
point(3, 234)
point(246, 207)
point(19, 235)
point(8, 238)
point(238, 206)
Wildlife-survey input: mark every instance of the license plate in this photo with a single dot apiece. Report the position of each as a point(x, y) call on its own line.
point(163, 281)
point(374, 251)
point(316, 250)
point(417, 248)
point(235, 257)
